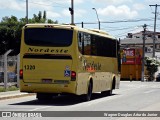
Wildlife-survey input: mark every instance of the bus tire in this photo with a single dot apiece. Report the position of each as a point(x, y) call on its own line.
point(87, 97)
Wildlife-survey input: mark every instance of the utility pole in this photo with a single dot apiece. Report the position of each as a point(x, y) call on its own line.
point(27, 11)
point(72, 12)
point(154, 39)
point(143, 55)
point(82, 25)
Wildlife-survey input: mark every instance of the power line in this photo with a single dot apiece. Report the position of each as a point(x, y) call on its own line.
point(57, 3)
point(119, 28)
point(62, 6)
point(119, 21)
point(134, 20)
point(122, 34)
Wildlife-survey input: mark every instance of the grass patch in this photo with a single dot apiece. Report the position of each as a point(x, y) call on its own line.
point(10, 88)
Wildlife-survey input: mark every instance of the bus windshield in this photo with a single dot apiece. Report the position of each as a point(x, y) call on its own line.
point(48, 37)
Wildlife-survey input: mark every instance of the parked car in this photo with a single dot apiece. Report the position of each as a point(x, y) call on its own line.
point(12, 77)
point(158, 77)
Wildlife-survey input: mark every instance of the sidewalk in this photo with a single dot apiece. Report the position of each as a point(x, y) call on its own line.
point(13, 94)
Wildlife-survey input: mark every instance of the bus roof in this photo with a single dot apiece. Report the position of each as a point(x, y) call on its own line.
point(68, 26)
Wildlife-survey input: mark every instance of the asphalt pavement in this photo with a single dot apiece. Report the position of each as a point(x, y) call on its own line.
point(17, 94)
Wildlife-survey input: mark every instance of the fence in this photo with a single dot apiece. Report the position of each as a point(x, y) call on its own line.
point(9, 70)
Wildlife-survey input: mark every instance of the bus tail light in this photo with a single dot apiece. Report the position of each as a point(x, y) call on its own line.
point(73, 76)
point(21, 74)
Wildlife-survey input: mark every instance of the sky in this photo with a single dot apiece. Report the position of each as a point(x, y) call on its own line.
point(117, 17)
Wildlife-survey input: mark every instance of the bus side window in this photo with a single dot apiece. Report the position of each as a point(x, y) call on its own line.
point(93, 45)
point(87, 44)
point(81, 42)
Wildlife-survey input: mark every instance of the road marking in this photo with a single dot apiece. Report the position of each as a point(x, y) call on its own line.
point(101, 100)
point(149, 91)
point(40, 108)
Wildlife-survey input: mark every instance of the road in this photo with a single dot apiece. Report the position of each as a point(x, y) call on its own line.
point(132, 96)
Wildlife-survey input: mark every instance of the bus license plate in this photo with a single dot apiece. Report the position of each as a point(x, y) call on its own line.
point(46, 80)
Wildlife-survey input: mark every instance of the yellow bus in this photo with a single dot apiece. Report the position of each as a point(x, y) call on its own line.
point(64, 59)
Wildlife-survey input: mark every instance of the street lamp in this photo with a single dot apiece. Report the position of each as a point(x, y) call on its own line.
point(97, 17)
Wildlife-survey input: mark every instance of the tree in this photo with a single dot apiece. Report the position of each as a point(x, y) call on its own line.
point(51, 21)
point(9, 27)
point(44, 15)
point(152, 66)
point(39, 19)
point(10, 31)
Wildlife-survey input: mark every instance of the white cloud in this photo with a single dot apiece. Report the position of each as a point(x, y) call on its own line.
point(78, 1)
point(120, 11)
point(21, 5)
point(66, 12)
point(138, 6)
point(113, 2)
point(80, 13)
point(12, 4)
point(51, 14)
point(152, 1)
point(39, 4)
point(69, 1)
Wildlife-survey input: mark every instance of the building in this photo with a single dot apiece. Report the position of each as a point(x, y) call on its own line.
point(134, 42)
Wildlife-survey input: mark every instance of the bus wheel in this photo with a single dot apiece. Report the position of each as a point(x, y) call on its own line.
point(44, 96)
point(87, 97)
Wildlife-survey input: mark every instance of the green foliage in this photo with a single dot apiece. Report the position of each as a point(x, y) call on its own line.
point(39, 19)
point(10, 88)
point(10, 31)
point(152, 66)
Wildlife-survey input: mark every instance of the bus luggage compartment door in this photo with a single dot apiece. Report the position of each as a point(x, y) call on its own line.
point(47, 70)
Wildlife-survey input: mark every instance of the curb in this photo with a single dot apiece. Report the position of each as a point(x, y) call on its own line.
point(16, 96)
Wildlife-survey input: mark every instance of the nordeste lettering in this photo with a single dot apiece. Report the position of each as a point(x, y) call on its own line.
point(47, 50)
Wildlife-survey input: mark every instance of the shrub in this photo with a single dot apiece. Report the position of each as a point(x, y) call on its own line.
point(152, 66)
